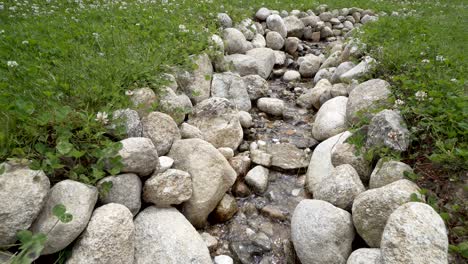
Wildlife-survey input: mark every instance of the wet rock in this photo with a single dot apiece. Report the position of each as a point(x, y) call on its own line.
point(386, 172)
point(263, 241)
point(108, 238)
point(276, 23)
point(244, 251)
point(320, 165)
point(321, 232)
point(139, 155)
point(168, 188)
point(265, 58)
point(256, 86)
point(225, 209)
point(125, 190)
point(294, 26)
point(197, 85)
point(218, 121)
point(309, 66)
point(330, 119)
point(388, 129)
point(291, 76)
point(365, 67)
point(232, 87)
point(162, 130)
point(273, 212)
point(79, 200)
point(340, 70)
point(414, 233)
point(257, 179)
point(189, 131)
point(372, 208)
point(347, 153)
point(272, 106)
point(130, 120)
point(234, 41)
point(23, 193)
point(161, 233)
point(366, 98)
point(365, 256)
point(212, 176)
point(340, 187)
point(143, 100)
point(287, 156)
point(274, 40)
point(165, 163)
point(245, 119)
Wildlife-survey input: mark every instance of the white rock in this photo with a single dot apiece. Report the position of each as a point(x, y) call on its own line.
point(257, 178)
point(259, 41)
point(276, 23)
point(265, 58)
point(223, 259)
point(309, 66)
point(372, 208)
point(262, 14)
point(245, 119)
point(168, 188)
point(165, 236)
point(125, 190)
point(272, 106)
point(386, 172)
point(321, 93)
point(226, 152)
point(330, 119)
point(108, 238)
point(256, 86)
point(364, 68)
point(23, 193)
point(365, 256)
point(291, 76)
point(340, 70)
point(189, 131)
point(139, 155)
point(260, 157)
point(234, 41)
point(348, 154)
point(232, 87)
point(321, 233)
point(294, 26)
point(274, 40)
point(79, 200)
point(211, 175)
point(162, 130)
point(414, 233)
point(165, 163)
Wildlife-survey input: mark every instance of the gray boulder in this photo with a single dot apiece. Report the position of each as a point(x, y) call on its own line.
point(287, 156)
point(291, 45)
point(259, 41)
point(276, 23)
point(365, 256)
point(347, 153)
point(291, 76)
point(330, 119)
point(142, 100)
point(162, 130)
point(125, 190)
point(189, 131)
point(175, 105)
point(196, 85)
point(310, 66)
point(130, 120)
point(23, 194)
point(245, 119)
point(235, 41)
point(364, 68)
point(108, 238)
point(240, 63)
point(256, 86)
point(79, 200)
point(218, 120)
point(139, 155)
point(333, 60)
point(224, 20)
point(257, 179)
point(321, 93)
point(372, 208)
point(163, 235)
point(321, 233)
point(416, 234)
point(340, 70)
point(274, 40)
point(388, 129)
point(212, 176)
point(265, 58)
point(168, 188)
point(262, 14)
point(272, 106)
point(386, 172)
point(294, 26)
point(232, 87)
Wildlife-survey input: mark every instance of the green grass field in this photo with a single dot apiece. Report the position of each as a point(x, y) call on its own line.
point(62, 62)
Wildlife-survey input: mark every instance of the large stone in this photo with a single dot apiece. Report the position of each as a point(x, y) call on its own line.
point(143, 100)
point(291, 45)
point(257, 178)
point(364, 68)
point(276, 23)
point(309, 66)
point(287, 156)
point(386, 172)
point(211, 175)
point(168, 188)
point(320, 166)
point(265, 58)
point(224, 20)
point(259, 41)
point(372, 208)
point(294, 26)
point(240, 63)
point(321, 233)
point(325, 73)
point(330, 119)
point(291, 76)
point(232, 87)
point(340, 187)
point(139, 155)
point(262, 14)
point(218, 120)
point(388, 129)
point(125, 190)
point(321, 93)
point(272, 106)
point(366, 98)
point(414, 234)
point(23, 192)
point(79, 200)
point(130, 121)
point(333, 60)
point(197, 85)
point(108, 238)
point(347, 153)
point(162, 130)
point(274, 40)
point(225, 209)
point(310, 21)
point(340, 70)
point(234, 41)
point(189, 131)
point(163, 235)
point(175, 105)
point(256, 86)
point(365, 256)
point(245, 119)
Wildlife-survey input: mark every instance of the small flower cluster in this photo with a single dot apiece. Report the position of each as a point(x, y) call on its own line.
point(398, 103)
point(420, 95)
point(182, 28)
point(102, 117)
point(12, 64)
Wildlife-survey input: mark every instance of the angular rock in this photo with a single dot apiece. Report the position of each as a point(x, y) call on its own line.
point(212, 176)
point(272, 106)
point(125, 190)
point(340, 187)
point(340, 70)
point(130, 120)
point(364, 68)
point(225, 209)
point(346, 153)
point(265, 58)
point(175, 105)
point(330, 119)
point(165, 163)
point(240, 63)
point(161, 233)
point(197, 85)
point(294, 26)
point(256, 86)
point(143, 100)
point(218, 120)
point(332, 61)
point(386, 172)
point(189, 131)
point(388, 129)
point(321, 93)
point(365, 256)
point(23, 193)
point(287, 156)
point(276, 23)
point(232, 87)
point(79, 200)
point(325, 73)
point(321, 233)
point(259, 41)
point(260, 157)
point(414, 233)
point(366, 98)
point(257, 178)
point(162, 130)
point(274, 40)
point(372, 208)
point(240, 163)
point(309, 66)
point(108, 238)
point(168, 188)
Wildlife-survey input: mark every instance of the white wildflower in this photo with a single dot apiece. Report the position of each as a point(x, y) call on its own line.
point(392, 135)
point(454, 80)
point(399, 102)
point(182, 28)
point(137, 24)
point(440, 58)
point(2, 31)
point(420, 95)
point(129, 92)
point(12, 64)
point(101, 54)
point(25, 42)
point(425, 61)
point(102, 117)
point(95, 35)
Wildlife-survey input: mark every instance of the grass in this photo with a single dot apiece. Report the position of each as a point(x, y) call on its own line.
point(77, 58)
